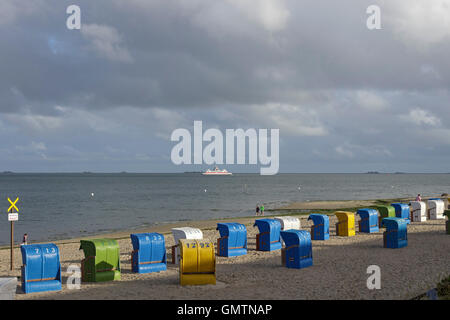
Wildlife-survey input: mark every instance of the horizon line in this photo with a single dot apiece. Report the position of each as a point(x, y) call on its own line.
point(184, 172)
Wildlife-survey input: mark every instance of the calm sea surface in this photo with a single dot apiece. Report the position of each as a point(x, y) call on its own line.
point(56, 206)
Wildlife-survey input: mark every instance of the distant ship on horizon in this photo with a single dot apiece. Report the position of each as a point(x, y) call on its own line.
point(216, 172)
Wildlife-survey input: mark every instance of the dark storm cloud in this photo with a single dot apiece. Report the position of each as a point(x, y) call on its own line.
point(138, 69)
point(176, 59)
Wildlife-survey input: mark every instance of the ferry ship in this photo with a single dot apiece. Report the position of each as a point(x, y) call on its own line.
point(216, 172)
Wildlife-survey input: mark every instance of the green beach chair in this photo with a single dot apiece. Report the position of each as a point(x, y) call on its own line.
point(385, 212)
point(447, 223)
point(102, 260)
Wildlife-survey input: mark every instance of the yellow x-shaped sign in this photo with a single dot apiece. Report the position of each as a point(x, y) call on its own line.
point(13, 204)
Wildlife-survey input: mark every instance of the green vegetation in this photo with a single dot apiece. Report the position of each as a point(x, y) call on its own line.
point(443, 289)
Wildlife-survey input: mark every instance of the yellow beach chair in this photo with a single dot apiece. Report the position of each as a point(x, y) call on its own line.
point(346, 225)
point(197, 262)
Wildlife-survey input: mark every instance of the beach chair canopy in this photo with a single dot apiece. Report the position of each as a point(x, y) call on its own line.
point(150, 241)
point(436, 204)
point(344, 216)
point(268, 238)
point(298, 248)
point(401, 210)
point(367, 213)
point(418, 211)
point(183, 233)
point(235, 235)
point(394, 223)
point(396, 233)
point(149, 252)
point(369, 220)
point(386, 211)
point(104, 250)
point(346, 224)
point(197, 262)
point(186, 233)
point(102, 260)
point(41, 269)
point(418, 205)
point(321, 228)
point(289, 222)
point(436, 209)
point(296, 238)
point(319, 219)
point(270, 226)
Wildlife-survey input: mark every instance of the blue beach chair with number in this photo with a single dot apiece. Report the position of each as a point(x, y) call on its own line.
point(396, 234)
point(41, 270)
point(369, 220)
point(298, 251)
point(268, 238)
point(149, 253)
point(233, 239)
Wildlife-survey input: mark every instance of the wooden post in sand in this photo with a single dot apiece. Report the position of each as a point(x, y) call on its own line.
point(12, 241)
point(12, 216)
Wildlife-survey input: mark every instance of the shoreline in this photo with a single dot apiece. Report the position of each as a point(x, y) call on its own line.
point(160, 228)
point(294, 208)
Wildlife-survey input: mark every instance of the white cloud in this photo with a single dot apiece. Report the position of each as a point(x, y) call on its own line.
point(419, 23)
point(34, 122)
point(106, 41)
point(238, 17)
point(272, 15)
point(370, 100)
point(421, 117)
point(13, 10)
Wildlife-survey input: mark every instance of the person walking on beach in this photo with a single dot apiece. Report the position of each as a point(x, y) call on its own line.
point(257, 210)
point(418, 198)
point(262, 210)
point(25, 239)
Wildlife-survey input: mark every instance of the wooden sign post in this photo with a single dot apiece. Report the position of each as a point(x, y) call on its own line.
point(12, 242)
point(12, 216)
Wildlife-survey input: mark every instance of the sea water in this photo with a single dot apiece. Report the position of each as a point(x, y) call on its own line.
point(58, 206)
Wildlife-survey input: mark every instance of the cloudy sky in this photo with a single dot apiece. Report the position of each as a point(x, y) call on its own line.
point(107, 97)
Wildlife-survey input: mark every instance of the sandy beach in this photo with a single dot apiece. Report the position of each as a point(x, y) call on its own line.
point(339, 270)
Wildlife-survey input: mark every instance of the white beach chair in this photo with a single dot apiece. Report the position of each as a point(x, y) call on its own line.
point(183, 233)
point(288, 223)
point(418, 211)
point(436, 209)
